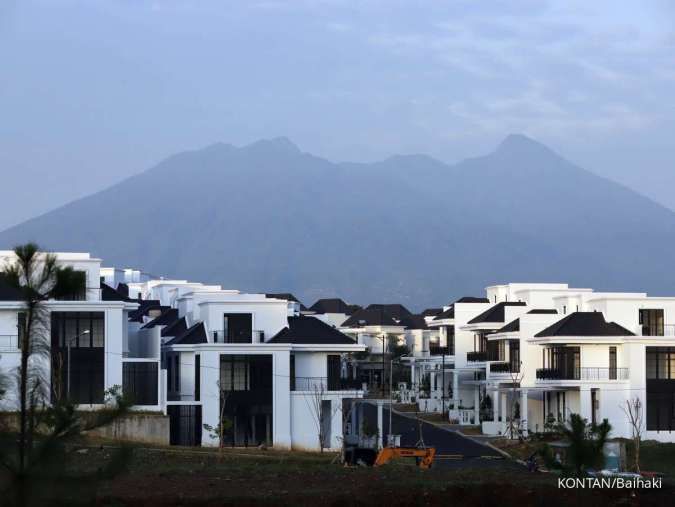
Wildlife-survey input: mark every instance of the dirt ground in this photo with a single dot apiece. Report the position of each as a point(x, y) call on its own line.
point(180, 477)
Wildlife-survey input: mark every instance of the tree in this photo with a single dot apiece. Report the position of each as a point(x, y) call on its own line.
point(515, 422)
point(586, 444)
point(46, 423)
point(635, 415)
point(224, 423)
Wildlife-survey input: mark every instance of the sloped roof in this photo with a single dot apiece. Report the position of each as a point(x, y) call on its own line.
point(370, 317)
point(145, 306)
point(584, 324)
point(333, 305)
point(511, 327)
point(175, 329)
point(495, 313)
point(472, 299)
point(167, 318)
point(110, 294)
point(414, 322)
point(543, 311)
point(447, 314)
point(196, 334)
point(431, 312)
point(308, 330)
point(288, 297)
point(396, 310)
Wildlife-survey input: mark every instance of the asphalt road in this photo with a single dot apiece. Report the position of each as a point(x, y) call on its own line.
point(452, 449)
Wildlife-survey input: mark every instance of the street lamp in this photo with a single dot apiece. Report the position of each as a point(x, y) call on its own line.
point(68, 342)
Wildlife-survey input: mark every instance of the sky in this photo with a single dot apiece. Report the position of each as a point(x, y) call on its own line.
point(94, 91)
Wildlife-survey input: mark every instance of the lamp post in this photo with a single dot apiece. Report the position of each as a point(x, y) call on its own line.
point(85, 332)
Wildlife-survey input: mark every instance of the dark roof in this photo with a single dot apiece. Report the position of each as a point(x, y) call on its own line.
point(168, 317)
point(175, 329)
point(8, 292)
point(370, 317)
point(431, 312)
point(123, 289)
point(333, 305)
point(196, 334)
point(310, 330)
point(397, 311)
point(584, 324)
point(145, 305)
point(472, 299)
point(511, 327)
point(447, 314)
point(414, 322)
point(495, 313)
point(543, 311)
point(288, 297)
point(110, 294)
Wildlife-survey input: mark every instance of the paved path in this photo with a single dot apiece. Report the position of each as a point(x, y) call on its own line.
point(452, 449)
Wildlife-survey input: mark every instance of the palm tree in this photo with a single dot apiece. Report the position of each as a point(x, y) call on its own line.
point(586, 443)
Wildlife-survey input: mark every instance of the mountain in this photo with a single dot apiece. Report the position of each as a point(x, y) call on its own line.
point(267, 217)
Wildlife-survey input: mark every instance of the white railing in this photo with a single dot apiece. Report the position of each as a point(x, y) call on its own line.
point(221, 336)
point(668, 330)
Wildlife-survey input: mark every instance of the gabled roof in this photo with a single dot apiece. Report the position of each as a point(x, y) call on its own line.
point(168, 317)
point(472, 299)
point(288, 297)
point(196, 334)
point(447, 314)
point(432, 312)
point(310, 331)
point(397, 311)
point(543, 311)
point(414, 322)
point(511, 327)
point(175, 329)
point(333, 305)
point(584, 324)
point(110, 294)
point(370, 317)
point(145, 305)
point(495, 313)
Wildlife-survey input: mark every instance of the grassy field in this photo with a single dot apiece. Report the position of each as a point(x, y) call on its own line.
point(175, 476)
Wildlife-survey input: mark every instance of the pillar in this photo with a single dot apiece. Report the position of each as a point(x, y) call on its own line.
point(455, 389)
point(380, 427)
point(476, 405)
point(352, 419)
point(523, 411)
point(495, 405)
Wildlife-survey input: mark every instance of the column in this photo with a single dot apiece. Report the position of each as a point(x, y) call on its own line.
point(352, 419)
point(523, 411)
point(380, 426)
point(455, 389)
point(495, 405)
point(476, 405)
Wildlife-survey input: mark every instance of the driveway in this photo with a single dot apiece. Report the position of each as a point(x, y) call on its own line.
point(452, 448)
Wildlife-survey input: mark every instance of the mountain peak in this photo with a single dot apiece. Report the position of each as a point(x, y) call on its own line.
point(276, 144)
point(521, 145)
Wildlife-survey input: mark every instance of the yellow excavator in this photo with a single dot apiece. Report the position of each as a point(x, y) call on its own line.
point(424, 455)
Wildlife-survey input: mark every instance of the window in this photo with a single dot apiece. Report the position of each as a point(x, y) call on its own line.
point(139, 381)
point(234, 373)
point(198, 377)
point(660, 370)
point(660, 363)
point(333, 368)
point(651, 322)
point(238, 327)
point(21, 327)
point(612, 363)
point(176, 372)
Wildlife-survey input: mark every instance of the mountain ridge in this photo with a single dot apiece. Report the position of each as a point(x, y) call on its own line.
point(269, 217)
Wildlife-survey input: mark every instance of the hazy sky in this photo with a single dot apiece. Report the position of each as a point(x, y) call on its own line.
point(93, 91)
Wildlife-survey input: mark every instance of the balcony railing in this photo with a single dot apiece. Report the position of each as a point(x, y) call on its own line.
point(474, 357)
point(582, 374)
point(222, 337)
point(9, 342)
point(325, 384)
point(665, 330)
point(440, 350)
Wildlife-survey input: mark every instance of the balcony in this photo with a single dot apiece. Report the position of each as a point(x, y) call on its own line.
point(325, 384)
point(439, 350)
point(223, 337)
point(504, 367)
point(582, 374)
point(476, 357)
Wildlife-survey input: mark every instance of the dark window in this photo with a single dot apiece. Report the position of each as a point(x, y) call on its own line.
point(76, 279)
point(514, 356)
point(185, 423)
point(660, 388)
point(84, 334)
point(292, 372)
point(612, 363)
point(20, 327)
point(198, 377)
point(139, 381)
point(333, 368)
point(450, 337)
point(651, 321)
point(176, 372)
point(238, 327)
